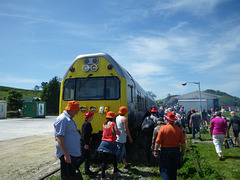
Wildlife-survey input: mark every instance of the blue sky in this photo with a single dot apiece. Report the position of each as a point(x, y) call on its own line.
point(162, 43)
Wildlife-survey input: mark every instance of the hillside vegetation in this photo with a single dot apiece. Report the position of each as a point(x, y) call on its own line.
point(226, 99)
point(26, 93)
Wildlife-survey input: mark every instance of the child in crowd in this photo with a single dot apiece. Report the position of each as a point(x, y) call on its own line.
point(85, 141)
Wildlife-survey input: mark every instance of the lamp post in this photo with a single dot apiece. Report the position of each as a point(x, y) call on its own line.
point(200, 98)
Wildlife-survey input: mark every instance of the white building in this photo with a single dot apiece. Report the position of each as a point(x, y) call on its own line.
point(192, 100)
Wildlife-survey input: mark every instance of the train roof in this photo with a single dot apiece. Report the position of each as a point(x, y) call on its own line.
point(120, 70)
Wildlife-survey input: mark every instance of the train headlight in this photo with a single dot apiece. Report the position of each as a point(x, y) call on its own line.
point(94, 67)
point(106, 109)
point(86, 61)
point(93, 108)
point(83, 109)
point(101, 109)
point(86, 68)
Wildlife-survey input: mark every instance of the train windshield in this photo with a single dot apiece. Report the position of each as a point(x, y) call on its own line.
point(100, 88)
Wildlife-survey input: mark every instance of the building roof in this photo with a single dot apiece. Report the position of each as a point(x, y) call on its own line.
point(31, 99)
point(194, 95)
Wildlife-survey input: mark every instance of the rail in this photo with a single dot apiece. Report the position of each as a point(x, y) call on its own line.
point(194, 161)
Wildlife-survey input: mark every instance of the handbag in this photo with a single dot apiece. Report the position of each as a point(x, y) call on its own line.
point(228, 143)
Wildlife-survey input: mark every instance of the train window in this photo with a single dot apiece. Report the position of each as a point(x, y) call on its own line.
point(69, 87)
point(90, 88)
point(112, 88)
point(97, 88)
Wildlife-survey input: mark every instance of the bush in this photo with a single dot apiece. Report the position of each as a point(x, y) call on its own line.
point(13, 114)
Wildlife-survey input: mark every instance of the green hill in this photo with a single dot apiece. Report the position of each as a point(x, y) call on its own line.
point(226, 100)
point(26, 93)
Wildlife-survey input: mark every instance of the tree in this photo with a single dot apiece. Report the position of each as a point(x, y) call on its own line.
point(36, 87)
point(44, 84)
point(50, 94)
point(14, 100)
point(151, 94)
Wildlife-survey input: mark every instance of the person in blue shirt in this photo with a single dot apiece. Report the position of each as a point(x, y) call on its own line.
point(67, 140)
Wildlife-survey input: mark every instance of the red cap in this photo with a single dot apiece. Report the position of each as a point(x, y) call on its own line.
point(88, 114)
point(171, 116)
point(153, 110)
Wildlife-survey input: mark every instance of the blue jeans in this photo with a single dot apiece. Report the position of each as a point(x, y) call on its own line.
point(169, 158)
point(121, 152)
point(198, 131)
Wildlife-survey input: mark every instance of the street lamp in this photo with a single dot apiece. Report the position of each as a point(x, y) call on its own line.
point(200, 98)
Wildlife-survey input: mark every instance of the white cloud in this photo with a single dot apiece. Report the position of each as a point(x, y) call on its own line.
point(195, 7)
point(10, 79)
point(147, 69)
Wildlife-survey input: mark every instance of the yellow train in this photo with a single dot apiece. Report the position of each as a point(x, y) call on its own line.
point(100, 85)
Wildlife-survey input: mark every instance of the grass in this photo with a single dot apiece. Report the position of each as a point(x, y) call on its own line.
point(204, 154)
point(227, 114)
point(25, 93)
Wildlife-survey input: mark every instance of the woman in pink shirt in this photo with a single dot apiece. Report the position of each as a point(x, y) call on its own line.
point(218, 130)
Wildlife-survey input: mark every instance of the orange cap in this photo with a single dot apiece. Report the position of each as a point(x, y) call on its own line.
point(111, 115)
point(122, 110)
point(72, 106)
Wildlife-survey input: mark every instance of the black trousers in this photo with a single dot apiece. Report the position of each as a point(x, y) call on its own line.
point(86, 157)
point(107, 158)
point(69, 170)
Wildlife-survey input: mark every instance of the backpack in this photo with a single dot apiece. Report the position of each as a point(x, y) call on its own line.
point(147, 126)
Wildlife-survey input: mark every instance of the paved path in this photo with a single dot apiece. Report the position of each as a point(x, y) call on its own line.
point(22, 127)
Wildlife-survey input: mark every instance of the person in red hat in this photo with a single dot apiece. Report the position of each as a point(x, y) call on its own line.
point(85, 141)
point(170, 138)
point(68, 140)
point(148, 125)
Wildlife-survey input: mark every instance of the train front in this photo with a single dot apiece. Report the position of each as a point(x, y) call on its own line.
point(95, 82)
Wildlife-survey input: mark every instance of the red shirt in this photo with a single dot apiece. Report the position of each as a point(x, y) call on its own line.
point(170, 135)
point(108, 135)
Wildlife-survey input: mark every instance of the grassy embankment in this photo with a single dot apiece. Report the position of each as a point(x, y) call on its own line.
point(25, 93)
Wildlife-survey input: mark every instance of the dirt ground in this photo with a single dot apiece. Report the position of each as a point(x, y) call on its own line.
point(28, 158)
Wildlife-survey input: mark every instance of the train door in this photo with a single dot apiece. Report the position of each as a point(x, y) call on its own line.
point(131, 106)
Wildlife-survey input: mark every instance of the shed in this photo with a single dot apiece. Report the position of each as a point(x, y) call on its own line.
point(34, 109)
point(192, 100)
point(3, 109)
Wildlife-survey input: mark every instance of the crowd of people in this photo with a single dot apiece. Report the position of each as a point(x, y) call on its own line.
point(73, 148)
point(164, 129)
